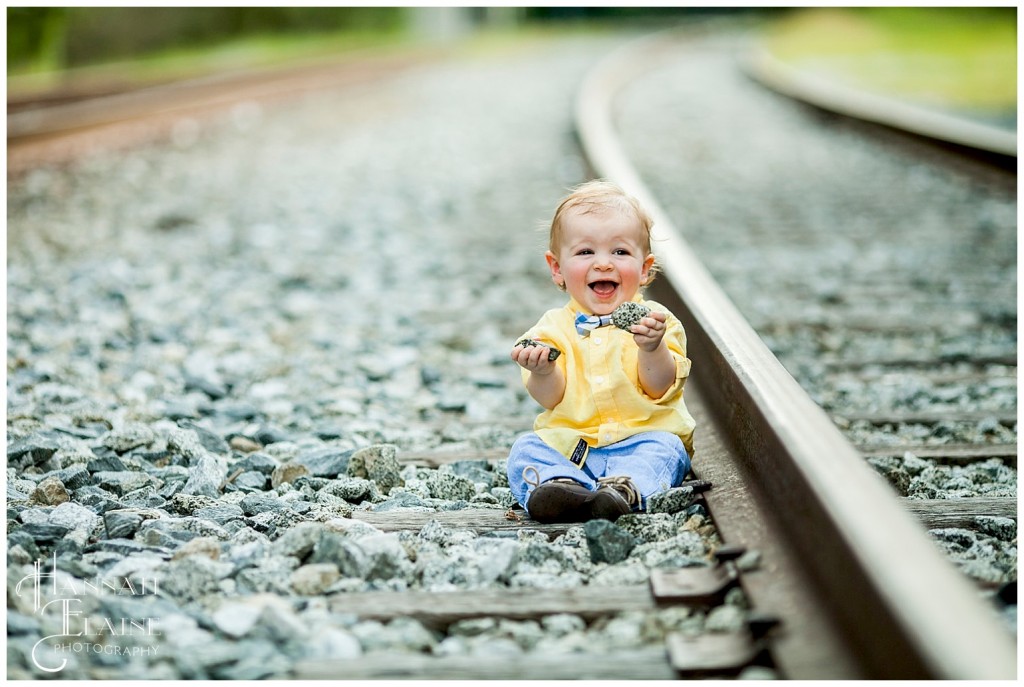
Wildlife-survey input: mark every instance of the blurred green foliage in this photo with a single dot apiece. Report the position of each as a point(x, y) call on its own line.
point(54, 38)
point(955, 57)
point(35, 36)
point(46, 38)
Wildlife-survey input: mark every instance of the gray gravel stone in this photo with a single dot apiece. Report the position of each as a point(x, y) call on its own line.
point(74, 477)
point(34, 450)
point(671, 500)
point(725, 618)
point(193, 577)
point(314, 579)
point(353, 489)
point(343, 553)
point(258, 661)
point(326, 462)
point(406, 634)
point(256, 503)
point(299, 540)
point(401, 499)
point(220, 513)
point(477, 471)
point(332, 644)
point(121, 483)
point(121, 524)
point(377, 463)
point(607, 542)
point(106, 461)
point(131, 436)
point(206, 475)
point(450, 486)
point(386, 557)
point(257, 462)
point(1004, 529)
point(250, 481)
point(73, 516)
point(200, 546)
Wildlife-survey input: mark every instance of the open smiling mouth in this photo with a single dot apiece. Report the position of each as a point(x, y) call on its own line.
point(603, 289)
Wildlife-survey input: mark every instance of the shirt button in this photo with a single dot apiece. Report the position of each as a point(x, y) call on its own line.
point(607, 437)
point(599, 379)
point(597, 339)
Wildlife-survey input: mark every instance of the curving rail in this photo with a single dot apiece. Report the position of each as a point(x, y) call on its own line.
point(868, 605)
point(852, 102)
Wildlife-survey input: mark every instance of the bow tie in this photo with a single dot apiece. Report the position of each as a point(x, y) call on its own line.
point(587, 323)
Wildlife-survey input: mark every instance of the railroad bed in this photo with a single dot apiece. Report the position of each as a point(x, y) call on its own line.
point(879, 268)
point(285, 427)
point(281, 287)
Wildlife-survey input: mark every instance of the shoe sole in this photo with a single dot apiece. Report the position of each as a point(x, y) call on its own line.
point(555, 503)
point(608, 504)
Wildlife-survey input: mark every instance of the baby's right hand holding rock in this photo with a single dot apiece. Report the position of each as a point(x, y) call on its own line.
point(536, 358)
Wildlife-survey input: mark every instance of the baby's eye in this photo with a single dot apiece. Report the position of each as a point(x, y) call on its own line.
point(584, 251)
point(622, 251)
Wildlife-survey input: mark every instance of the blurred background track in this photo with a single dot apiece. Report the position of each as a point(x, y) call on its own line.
point(74, 73)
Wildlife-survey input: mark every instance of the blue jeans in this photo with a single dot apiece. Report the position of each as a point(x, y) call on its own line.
point(655, 461)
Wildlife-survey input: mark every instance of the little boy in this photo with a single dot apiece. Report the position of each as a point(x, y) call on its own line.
point(615, 429)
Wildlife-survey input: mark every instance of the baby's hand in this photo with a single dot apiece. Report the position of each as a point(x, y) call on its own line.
point(535, 358)
point(649, 331)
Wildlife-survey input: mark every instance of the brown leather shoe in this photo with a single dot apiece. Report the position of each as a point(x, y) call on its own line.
point(560, 500)
point(615, 497)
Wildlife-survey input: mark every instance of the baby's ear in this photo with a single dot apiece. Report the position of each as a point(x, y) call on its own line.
point(556, 270)
point(645, 271)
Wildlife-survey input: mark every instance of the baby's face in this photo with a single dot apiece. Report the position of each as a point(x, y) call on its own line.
point(601, 259)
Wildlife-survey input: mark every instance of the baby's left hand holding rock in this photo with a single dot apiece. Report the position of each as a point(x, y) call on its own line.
point(649, 332)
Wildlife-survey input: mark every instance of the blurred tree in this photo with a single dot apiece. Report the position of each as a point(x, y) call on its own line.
point(42, 38)
point(47, 37)
point(632, 13)
point(35, 37)
point(103, 33)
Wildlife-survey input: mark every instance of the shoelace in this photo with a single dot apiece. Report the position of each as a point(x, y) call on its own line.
point(620, 483)
point(536, 476)
point(623, 485)
point(535, 482)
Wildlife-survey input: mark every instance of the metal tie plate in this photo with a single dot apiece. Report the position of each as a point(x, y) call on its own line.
point(699, 584)
point(722, 652)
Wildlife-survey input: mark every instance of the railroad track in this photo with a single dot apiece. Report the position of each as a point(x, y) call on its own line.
point(748, 377)
point(999, 144)
point(828, 597)
point(903, 354)
point(55, 130)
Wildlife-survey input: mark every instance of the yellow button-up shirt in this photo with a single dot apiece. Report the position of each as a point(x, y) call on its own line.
point(604, 401)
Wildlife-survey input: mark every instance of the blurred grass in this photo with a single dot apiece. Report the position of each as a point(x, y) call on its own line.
point(252, 52)
point(950, 57)
point(271, 51)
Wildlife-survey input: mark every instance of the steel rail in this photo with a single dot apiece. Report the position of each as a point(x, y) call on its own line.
point(858, 104)
point(898, 605)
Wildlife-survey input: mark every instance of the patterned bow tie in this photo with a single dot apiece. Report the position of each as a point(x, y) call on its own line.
point(587, 323)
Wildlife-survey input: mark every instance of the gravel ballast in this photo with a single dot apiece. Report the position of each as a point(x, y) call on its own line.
point(881, 271)
point(220, 346)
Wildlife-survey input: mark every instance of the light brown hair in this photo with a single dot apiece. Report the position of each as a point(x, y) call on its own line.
point(597, 196)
